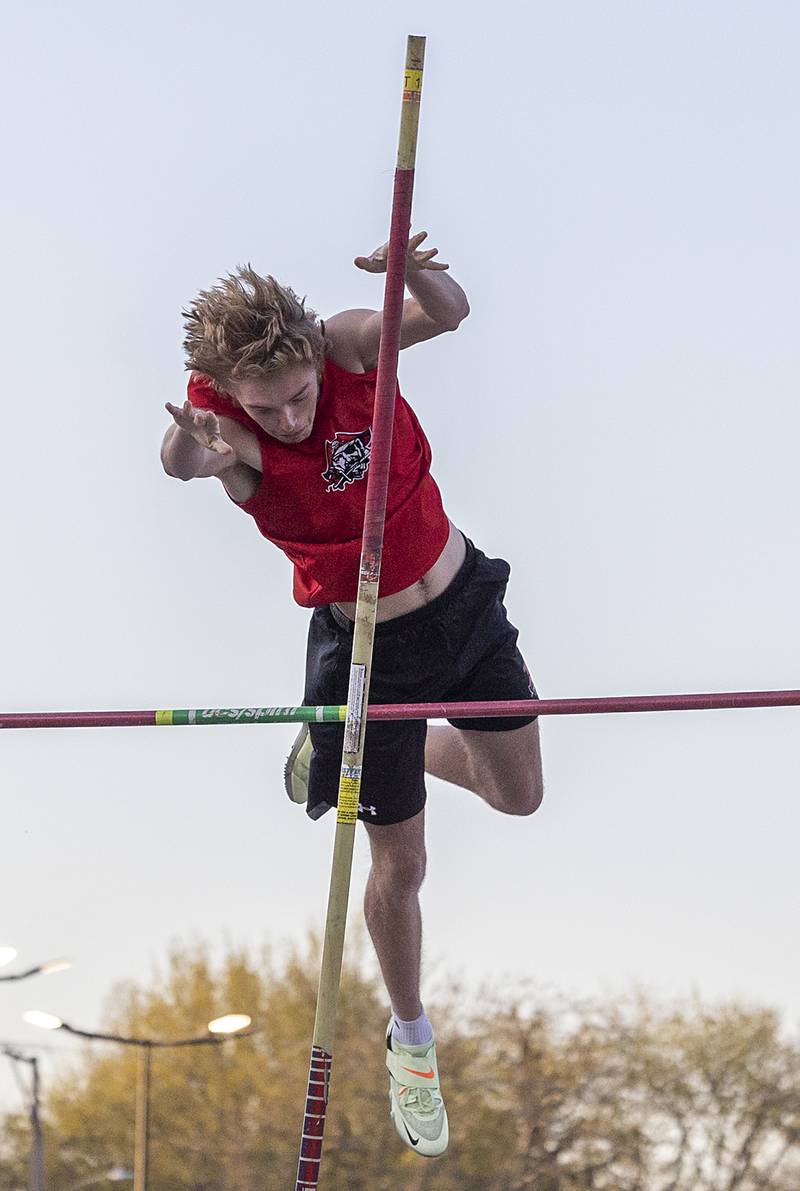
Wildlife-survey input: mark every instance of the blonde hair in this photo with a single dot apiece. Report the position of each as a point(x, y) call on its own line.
point(248, 326)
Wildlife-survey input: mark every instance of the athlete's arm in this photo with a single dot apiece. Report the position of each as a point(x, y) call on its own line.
point(438, 304)
point(200, 444)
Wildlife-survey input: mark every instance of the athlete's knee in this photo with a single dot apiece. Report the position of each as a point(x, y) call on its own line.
point(399, 869)
point(530, 801)
point(523, 799)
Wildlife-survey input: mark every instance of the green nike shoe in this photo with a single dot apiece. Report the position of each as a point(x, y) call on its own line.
point(415, 1099)
point(295, 771)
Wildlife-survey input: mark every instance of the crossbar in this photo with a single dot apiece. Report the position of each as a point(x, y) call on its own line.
point(496, 709)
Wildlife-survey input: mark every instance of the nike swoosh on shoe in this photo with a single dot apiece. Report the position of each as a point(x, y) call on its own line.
point(414, 1140)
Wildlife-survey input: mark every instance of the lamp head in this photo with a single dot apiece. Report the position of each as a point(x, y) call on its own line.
point(45, 1021)
point(55, 965)
point(230, 1023)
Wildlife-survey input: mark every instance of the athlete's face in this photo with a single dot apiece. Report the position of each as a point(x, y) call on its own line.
point(282, 404)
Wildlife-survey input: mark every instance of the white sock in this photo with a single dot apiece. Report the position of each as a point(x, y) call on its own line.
point(418, 1032)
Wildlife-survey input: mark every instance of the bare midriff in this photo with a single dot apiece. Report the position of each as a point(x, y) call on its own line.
point(431, 585)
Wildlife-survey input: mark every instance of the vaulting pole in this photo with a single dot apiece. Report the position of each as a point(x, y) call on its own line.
point(366, 606)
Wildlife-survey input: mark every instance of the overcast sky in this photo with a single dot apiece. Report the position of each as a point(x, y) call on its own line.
point(616, 187)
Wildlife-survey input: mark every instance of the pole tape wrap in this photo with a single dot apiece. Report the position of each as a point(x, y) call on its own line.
point(319, 1077)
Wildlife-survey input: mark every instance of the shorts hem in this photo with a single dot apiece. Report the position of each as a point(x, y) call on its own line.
point(494, 724)
point(316, 811)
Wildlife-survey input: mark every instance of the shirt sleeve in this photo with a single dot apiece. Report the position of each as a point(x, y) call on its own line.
point(203, 395)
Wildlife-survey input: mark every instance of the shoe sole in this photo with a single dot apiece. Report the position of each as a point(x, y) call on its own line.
point(290, 760)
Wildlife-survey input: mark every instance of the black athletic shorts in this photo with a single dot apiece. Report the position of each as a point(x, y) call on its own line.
point(459, 647)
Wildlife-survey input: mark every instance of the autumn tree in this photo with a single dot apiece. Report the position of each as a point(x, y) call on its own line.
point(541, 1096)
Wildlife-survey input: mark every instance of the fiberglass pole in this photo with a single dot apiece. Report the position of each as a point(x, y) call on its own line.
point(369, 575)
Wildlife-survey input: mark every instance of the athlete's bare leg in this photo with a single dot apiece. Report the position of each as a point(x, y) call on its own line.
point(391, 908)
point(504, 768)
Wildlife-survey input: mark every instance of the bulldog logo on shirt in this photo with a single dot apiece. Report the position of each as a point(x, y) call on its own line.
point(347, 456)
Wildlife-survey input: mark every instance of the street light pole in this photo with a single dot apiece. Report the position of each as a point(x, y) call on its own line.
point(36, 1162)
point(141, 1153)
point(37, 1138)
point(221, 1029)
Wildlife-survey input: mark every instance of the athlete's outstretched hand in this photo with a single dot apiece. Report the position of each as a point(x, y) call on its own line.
point(376, 261)
point(202, 425)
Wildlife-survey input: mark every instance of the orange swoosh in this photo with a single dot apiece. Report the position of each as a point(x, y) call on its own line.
point(424, 1074)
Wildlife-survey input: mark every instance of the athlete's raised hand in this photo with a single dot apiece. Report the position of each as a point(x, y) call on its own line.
point(416, 259)
point(202, 425)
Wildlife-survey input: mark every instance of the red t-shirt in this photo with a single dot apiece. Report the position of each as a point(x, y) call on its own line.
point(310, 501)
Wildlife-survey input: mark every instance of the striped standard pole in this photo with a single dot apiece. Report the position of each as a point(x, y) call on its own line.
point(366, 607)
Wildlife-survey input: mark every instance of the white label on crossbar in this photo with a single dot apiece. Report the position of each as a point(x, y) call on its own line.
point(355, 708)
